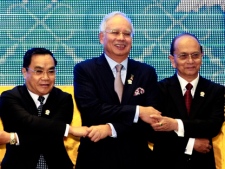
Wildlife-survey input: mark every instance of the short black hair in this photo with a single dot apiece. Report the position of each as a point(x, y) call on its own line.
point(179, 35)
point(34, 51)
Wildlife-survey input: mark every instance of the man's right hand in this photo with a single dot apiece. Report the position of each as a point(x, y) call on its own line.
point(146, 112)
point(99, 132)
point(81, 131)
point(5, 137)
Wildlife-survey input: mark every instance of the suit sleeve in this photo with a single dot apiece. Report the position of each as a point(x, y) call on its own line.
point(17, 118)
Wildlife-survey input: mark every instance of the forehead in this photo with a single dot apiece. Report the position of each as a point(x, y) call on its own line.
point(42, 60)
point(118, 21)
point(186, 42)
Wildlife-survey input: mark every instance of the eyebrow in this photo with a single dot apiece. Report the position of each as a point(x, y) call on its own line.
point(39, 67)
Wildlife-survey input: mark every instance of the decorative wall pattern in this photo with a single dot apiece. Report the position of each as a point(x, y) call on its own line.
point(70, 30)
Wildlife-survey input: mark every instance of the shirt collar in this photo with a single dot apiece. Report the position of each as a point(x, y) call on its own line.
point(35, 98)
point(183, 83)
point(112, 63)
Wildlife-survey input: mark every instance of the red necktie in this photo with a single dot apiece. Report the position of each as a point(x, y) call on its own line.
point(188, 97)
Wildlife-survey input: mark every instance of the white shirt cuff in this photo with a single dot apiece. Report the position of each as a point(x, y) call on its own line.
point(136, 114)
point(67, 130)
point(17, 138)
point(114, 134)
point(180, 131)
point(190, 146)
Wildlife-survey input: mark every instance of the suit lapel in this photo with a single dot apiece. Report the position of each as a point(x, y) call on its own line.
point(107, 77)
point(176, 93)
point(129, 89)
point(199, 98)
point(50, 100)
point(27, 100)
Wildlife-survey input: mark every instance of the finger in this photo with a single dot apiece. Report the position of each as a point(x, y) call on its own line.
point(157, 113)
point(91, 134)
point(155, 125)
point(85, 133)
point(89, 129)
point(94, 137)
point(156, 117)
point(158, 126)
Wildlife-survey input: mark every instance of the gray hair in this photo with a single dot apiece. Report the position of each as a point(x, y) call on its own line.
point(102, 26)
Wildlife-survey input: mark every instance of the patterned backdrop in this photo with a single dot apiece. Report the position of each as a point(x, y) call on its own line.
point(69, 28)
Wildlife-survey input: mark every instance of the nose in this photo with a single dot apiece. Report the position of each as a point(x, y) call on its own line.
point(189, 58)
point(121, 35)
point(45, 75)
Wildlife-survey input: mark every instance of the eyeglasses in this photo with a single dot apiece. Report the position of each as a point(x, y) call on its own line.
point(126, 34)
point(194, 56)
point(40, 72)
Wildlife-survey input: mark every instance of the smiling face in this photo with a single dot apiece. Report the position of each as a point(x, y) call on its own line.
point(186, 68)
point(117, 45)
point(40, 84)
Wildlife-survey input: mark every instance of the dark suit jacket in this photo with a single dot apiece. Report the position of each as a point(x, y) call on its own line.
point(36, 134)
point(98, 103)
point(204, 121)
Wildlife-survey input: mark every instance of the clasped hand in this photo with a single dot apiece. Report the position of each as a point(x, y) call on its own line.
point(163, 123)
point(148, 114)
point(95, 133)
point(158, 122)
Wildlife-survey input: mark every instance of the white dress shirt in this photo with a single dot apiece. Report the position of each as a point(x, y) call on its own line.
point(112, 65)
point(180, 132)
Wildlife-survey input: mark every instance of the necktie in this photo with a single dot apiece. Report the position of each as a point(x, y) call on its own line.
point(41, 100)
point(118, 84)
point(41, 163)
point(188, 97)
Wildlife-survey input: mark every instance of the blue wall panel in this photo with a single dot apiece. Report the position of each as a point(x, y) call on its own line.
point(69, 28)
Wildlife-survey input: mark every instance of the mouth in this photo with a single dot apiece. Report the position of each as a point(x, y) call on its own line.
point(120, 46)
point(191, 68)
point(44, 85)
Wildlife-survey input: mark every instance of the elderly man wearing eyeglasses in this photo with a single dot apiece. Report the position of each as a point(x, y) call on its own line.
point(192, 110)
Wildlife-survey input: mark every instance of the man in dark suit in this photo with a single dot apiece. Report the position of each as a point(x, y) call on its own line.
point(37, 135)
point(118, 134)
point(184, 140)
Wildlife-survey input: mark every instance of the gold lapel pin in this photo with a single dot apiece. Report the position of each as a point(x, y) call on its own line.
point(47, 112)
point(129, 81)
point(202, 94)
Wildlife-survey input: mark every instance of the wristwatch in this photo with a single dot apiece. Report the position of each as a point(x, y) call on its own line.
point(12, 139)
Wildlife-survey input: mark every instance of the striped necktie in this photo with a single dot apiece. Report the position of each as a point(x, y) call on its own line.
point(41, 163)
point(41, 100)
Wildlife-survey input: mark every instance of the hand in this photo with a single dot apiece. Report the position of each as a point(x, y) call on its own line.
point(78, 131)
point(4, 137)
point(99, 132)
point(164, 123)
point(202, 145)
point(146, 112)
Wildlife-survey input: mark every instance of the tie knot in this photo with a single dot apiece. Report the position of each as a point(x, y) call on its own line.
point(41, 99)
point(119, 67)
point(189, 86)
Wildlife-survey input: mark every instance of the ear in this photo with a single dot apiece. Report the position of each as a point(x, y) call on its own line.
point(24, 72)
point(101, 37)
point(172, 60)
